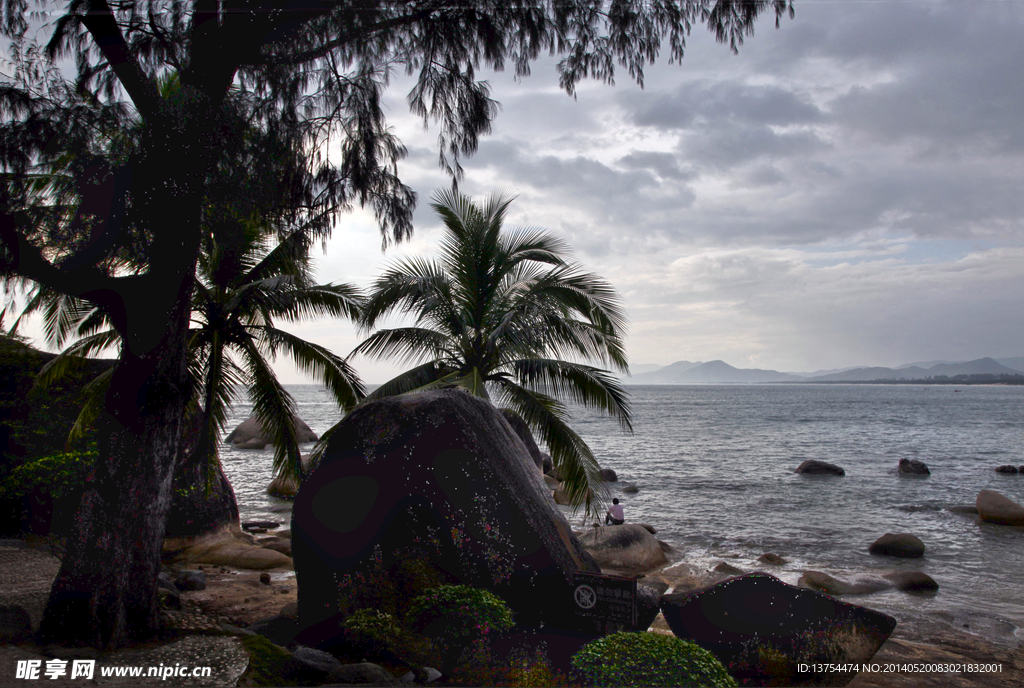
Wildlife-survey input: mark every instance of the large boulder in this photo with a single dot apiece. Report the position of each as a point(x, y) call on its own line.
point(609, 476)
point(431, 486)
point(251, 434)
point(815, 467)
point(1007, 470)
point(762, 630)
point(627, 550)
point(912, 467)
point(227, 546)
point(995, 508)
point(902, 545)
point(523, 432)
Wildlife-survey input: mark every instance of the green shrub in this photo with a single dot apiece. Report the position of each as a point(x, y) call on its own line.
point(458, 618)
point(49, 488)
point(372, 633)
point(647, 659)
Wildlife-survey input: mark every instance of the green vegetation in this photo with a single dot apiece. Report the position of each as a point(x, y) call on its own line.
point(44, 493)
point(647, 659)
point(372, 633)
point(459, 619)
point(498, 313)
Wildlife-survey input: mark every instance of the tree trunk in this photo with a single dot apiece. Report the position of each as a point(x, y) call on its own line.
point(105, 592)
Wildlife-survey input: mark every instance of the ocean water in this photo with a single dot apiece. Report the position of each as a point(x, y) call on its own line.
point(714, 466)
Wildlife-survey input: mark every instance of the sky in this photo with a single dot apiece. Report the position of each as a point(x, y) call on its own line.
point(847, 190)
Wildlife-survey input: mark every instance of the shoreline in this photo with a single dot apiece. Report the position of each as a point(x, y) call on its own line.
point(237, 597)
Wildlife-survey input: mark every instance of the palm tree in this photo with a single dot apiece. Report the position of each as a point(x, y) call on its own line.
point(499, 313)
point(241, 288)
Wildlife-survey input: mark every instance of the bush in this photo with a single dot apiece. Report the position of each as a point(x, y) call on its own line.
point(371, 632)
point(647, 659)
point(458, 618)
point(49, 488)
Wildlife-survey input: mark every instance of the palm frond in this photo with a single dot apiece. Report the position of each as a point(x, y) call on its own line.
point(340, 379)
point(95, 394)
point(408, 344)
point(420, 377)
point(583, 384)
point(274, 409)
point(578, 470)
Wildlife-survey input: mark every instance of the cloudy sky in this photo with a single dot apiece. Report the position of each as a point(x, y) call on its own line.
point(847, 190)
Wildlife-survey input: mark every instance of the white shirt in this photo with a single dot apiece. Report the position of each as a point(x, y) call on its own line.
point(616, 512)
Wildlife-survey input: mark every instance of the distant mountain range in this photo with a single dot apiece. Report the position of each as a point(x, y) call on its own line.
point(719, 372)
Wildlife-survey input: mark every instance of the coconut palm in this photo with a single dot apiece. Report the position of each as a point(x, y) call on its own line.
point(241, 288)
point(503, 313)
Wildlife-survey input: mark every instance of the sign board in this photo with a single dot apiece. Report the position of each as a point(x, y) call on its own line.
point(611, 599)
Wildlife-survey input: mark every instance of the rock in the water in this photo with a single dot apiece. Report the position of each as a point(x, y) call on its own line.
point(650, 529)
point(630, 488)
point(285, 486)
point(815, 467)
point(15, 623)
point(190, 579)
point(547, 464)
point(609, 476)
point(995, 508)
point(913, 467)
point(816, 580)
point(523, 432)
point(430, 485)
point(629, 549)
point(728, 569)
point(912, 581)
point(964, 509)
point(773, 559)
point(762, 629)
point(1008, 470)
point(898, 545)
point(250, 430)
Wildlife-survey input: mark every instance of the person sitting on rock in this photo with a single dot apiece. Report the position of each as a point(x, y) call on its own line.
point(615, 515)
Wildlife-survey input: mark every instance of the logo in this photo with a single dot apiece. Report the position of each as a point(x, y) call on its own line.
point(585, 596)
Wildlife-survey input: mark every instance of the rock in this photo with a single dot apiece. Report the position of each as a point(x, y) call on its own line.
point(659, 586)
point(13, 544)
point(523, 432)
point(627, 550)
point(912, 581)
point(190, 579)
point(547, 464)
point(282, 545)
point(912, 467)
point(728, 569)
point(279, 630)
point(1008, 470)
point(773, 559)
point(365, 673)
point(902, 545)
point(609, 476)
point(265, 578)
point(762, 629)
point(15, 623)
point(630, 488)
point(198, 508)
point(290, 610)
point(168, 599)
point(250, 430)
point(286, 486)
point(308, 661)
point(815, 467)
point(265, 525)
point(816, 580)
point(995, 508)
point(223, 548)
point(256, 444)
point(665, 547)
point(436, 485)
point(964, 509)
point(650, 528)
point(552, 483)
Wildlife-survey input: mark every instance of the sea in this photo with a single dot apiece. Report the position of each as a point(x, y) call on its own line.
point(714, 465)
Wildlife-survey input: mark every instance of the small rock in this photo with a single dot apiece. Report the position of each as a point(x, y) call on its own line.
point(190, 579)
point(650, 528)
point(290, 610)
point(265, 578)
point(898, 545)
point(773, 559)
point(266, 525)
point(816, 580)
point(609, 476)
point(964, 509)
point(913, 467)
point(630, 488)
point(727, 569)
point(815, 467)
point(317, 660)
point(1008, 470)
point(365, 673)
point(912, 581)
